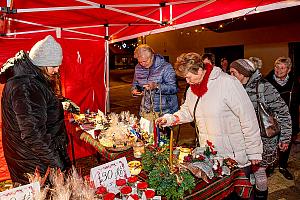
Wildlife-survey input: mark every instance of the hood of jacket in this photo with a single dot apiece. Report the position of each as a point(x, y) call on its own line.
point(254, 78)
point(18, 66)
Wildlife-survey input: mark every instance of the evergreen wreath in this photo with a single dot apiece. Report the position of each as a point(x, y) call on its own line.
point(171, 184)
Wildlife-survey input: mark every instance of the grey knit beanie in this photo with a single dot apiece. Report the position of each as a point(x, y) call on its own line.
point(46, 53)
point(244, 66)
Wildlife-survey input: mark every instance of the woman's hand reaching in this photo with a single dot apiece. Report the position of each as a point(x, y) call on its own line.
point(161, 121)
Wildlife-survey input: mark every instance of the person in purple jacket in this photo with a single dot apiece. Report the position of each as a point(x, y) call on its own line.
point(155, 79)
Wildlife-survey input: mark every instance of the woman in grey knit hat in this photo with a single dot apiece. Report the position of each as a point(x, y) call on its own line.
point(247, 72)
point(34, 134)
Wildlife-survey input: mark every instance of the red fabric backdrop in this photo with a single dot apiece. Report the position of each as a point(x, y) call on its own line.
point(82, 73)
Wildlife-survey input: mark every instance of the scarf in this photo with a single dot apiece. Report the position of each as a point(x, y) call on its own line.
point(281, 82)
point(201, 88)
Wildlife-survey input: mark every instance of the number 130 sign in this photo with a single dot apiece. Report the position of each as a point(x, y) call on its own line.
point(108, 173)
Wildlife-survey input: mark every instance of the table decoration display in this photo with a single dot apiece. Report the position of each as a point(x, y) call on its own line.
point(116, 132)
point(176, 181)
point(205, 163)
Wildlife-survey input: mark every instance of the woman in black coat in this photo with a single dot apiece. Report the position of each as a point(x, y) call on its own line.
point(34, 133)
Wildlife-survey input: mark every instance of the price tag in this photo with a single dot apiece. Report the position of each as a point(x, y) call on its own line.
point(108, 173)
point(25, 192)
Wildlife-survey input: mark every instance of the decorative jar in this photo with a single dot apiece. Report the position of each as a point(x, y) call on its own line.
point(138, 149)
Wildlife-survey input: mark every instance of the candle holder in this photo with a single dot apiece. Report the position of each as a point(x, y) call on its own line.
point(183, 152)
point(138, 149)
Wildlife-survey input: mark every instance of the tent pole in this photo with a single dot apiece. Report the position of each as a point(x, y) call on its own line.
point(183, 2)
point(133, 5)
point(83, 33)
point(30, 10)
point(107, 99)
point(171, 14)
point(132, 14)
point(29, 32)
point(97, 5)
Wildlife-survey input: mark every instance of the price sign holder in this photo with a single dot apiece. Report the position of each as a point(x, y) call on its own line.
point(107, 174)
point(20, 193)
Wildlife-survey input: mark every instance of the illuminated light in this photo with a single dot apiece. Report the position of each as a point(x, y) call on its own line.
point(245, 18)
point(203, 28)
point(221, 26)
point(196, 30)
point(124, 45)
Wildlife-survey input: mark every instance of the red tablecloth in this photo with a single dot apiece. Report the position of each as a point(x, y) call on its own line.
point(218, 188)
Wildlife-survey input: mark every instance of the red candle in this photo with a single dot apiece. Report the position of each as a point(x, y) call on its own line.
point(155, 134)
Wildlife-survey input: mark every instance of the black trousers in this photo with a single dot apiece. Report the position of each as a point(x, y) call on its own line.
point(284, 157)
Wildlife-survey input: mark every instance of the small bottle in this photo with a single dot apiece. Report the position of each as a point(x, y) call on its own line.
point(125, 192)
point(101, 191)
point(120, 183)
point(135, 196)
point(131, 181)
point(141, 187)
point(150, 194)
point(109, 196)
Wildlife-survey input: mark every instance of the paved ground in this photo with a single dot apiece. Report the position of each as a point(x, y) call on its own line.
point(279, 187)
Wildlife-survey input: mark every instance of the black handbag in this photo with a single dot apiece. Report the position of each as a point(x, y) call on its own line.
point(267, 121)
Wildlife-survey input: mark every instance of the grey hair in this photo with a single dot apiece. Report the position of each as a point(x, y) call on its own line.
point(285, 60)
point(143, 50)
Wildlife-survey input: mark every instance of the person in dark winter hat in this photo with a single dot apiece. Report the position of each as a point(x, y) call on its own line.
point(243, 66)
point(34, 134)
point(247, 72)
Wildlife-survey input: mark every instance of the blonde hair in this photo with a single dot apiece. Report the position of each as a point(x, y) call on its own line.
point(143, 50)
point(257, 62)
point(284, 60)
point(188, 62)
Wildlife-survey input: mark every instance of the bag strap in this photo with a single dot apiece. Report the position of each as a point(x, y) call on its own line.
point(194, 116)
point(290, 96)
point(152, 102)
point(258, 92)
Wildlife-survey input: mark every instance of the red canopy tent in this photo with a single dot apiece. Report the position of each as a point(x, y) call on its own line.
point(86, 27)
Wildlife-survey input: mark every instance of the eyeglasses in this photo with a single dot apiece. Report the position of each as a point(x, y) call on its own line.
point(144, 61)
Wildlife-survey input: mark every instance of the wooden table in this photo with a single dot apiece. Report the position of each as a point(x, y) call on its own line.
point(218, 188)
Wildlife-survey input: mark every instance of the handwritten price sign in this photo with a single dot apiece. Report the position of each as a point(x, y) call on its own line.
point(108, 173)
point(25, 192)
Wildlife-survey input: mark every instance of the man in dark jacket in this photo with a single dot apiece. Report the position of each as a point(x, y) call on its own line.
point(288, 87)
point(34, 133)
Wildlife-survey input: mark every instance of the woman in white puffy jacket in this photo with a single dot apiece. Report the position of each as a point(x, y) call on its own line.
point(221, 109)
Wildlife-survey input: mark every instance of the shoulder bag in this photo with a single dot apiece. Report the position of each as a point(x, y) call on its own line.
point(151, 115)
point(267, 121)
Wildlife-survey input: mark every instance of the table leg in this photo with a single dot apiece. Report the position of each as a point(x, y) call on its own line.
point(73, 150)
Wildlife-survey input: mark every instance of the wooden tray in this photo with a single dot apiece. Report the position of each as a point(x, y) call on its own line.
point(118, 149)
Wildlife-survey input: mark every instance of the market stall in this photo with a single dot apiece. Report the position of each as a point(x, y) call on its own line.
point(206, 186)
point(85, 23)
